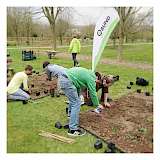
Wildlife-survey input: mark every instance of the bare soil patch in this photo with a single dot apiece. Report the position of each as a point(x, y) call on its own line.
point(40, 86)
point(129, 124)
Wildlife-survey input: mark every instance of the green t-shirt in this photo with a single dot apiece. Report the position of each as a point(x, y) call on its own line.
point(84, 78)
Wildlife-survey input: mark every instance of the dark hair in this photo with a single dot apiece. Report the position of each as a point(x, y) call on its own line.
point(98, 75)
point(45, 64)
point(28, 67)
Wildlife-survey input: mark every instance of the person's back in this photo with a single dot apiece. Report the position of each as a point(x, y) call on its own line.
point(81, 76)
point(75, 46)
point(56, 70)
point(84, 78)
point(74, 49)
point(16, 82)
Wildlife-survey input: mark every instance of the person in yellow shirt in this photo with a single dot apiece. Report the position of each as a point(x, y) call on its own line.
point(74, 48)
point(14, 91)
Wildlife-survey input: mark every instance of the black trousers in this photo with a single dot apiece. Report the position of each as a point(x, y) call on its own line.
point(75, 62)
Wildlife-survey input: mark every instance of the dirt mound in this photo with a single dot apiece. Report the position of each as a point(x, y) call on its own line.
point(40, 86)
point(129, 124)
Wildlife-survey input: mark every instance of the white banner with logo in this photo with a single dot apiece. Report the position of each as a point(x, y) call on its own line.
point(104, 27)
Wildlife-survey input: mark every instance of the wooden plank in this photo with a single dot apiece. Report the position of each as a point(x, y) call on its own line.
point(57, 137)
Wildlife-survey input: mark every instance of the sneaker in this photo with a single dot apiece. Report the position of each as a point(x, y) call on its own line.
point(78, 65)
point(98, 110)
point(76, 133)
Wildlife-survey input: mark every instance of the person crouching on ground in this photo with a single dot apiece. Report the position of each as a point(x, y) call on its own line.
point(103, 83)
point(14, 91)
point(71, 81)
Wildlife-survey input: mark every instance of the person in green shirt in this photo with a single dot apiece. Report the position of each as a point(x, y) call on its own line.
point(14, 90)
point(71, 81)
point(74, 48)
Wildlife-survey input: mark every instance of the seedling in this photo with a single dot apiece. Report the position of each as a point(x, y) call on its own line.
point(58, 125)
point(128, 87)
point(98, 144)
point(143, 130)
point(138, 90)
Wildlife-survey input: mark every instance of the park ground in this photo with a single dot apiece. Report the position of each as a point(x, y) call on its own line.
point(24, 122)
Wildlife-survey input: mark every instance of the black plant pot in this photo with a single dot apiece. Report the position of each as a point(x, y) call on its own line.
point(58, 125)
point(131, 83)
point(138, 90)
point(45, 92)
point(128, 87)
point(58, 95)
point(66, 126)
point(111, 146)
point(52, 92)
point(38, 94)
point(147, 93)
point(98, 144)
point(24, 102)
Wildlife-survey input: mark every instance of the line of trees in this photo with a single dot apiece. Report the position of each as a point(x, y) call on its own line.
point(135, 23)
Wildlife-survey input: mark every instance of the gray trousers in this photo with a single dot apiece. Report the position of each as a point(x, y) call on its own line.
point(19, 95)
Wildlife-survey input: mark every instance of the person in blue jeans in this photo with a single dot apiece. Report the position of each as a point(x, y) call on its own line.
point(71, 84)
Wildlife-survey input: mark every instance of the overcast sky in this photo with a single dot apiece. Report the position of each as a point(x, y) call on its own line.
point(88, 15)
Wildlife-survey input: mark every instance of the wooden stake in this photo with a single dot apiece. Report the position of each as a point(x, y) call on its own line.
point(57, 137)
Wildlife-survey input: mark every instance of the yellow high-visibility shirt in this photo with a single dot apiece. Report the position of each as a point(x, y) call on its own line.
point(17, 80)
point(75, 46)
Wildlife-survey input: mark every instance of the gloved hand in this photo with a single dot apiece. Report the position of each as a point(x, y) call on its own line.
point(99, 109)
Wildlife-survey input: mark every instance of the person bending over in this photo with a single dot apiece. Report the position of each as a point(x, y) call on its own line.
point(71, 81)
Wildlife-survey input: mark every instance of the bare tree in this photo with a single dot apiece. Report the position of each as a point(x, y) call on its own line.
point(130, 23)
point(14, 20)
point(52, 13)
point(27, 22)
point(63, 24)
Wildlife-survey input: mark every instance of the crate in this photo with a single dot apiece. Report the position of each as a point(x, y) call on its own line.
point(28, 55)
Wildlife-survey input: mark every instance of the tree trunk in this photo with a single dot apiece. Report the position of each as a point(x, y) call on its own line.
point(114, 43)
point(120, 45)
point(61, 40)
point(54, 36)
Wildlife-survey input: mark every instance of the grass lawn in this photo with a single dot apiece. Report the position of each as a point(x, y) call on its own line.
point(131, 53)
point(25, 121)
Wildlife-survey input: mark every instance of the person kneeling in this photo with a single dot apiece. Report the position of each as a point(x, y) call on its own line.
point(14, 91)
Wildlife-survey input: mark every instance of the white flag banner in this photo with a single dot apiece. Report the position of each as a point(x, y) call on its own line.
point(102, 32)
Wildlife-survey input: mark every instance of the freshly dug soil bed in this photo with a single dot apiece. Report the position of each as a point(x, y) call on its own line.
point(40, 86)
point(128, 124)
